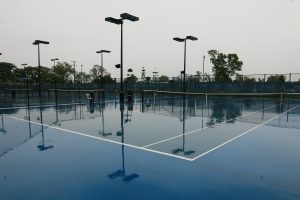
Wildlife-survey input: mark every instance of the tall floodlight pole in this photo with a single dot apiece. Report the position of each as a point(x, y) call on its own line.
point(184, 62)
point(101, 52)
point(203, 69)
point(24, 65)
point(27, 89)
point(53, 60)
point(38, 42)
point(120, 22)
point(74, 64)
point(55, 92)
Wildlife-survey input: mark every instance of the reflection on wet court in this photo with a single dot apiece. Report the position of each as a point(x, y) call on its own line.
point(181, 126)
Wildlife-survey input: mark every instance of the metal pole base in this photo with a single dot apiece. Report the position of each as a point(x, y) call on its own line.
point(122, 97)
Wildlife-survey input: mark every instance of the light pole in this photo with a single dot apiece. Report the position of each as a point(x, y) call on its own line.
point(184, 63)
point(27, 90)
point(203, 69)
point(24, 65)
point(120, 22)
point(38, 42)
point(74, 64)
point(102, 68)
point(55, 88)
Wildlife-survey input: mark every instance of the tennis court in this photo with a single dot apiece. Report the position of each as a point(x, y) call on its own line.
point(221, 146)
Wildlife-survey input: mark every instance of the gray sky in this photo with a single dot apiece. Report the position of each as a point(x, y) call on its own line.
point(264, 33)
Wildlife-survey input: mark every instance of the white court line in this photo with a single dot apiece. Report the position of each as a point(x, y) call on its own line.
point(103, 139)
point(244, 133)
point(193, 131)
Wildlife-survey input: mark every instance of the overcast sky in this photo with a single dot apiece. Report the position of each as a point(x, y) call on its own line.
point(264, 33)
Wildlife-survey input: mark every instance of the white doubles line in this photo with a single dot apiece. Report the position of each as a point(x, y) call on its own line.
point(200, 129)
point(103, 139)
point(244, 133)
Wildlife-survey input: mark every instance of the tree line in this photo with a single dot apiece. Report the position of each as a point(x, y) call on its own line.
point(224, 67)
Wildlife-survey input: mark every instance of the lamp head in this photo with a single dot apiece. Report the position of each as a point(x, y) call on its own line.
point(129, 17)
point(37, 42)
point(113, 20)
point(191, 38)
point(178, 39)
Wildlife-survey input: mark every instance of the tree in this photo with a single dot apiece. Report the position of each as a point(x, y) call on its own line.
point(276, 78)
point(63, 72)
point(131, 79)
point(96, 72)
point(163, 78)
point(224, 66)
point(83, 77)
point(148, 79)
point(18, 74)
point(6, 71)
point(33, 74)
point(245, 79)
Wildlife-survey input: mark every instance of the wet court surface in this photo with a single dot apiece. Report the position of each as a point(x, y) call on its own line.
point(163, 148)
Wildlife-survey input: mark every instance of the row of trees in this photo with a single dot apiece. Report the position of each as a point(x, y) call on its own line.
point(63, 72)
point(225, 66)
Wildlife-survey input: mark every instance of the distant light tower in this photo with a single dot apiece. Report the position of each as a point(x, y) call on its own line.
point(120, 22)
point(143, 77)
point(38, 42)
point(24, 65)
point(74, 64)
point(54, 65)
point(203, 69)
point(101, 52)
point(53, 60)
point(155, 75)
point(184, 64)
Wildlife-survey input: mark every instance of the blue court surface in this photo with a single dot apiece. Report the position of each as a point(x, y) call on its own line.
point(166, 147)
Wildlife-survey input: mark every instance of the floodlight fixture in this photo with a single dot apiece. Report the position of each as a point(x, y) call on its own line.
point(191, 38)
point(37, 42)
point(124, 16)
point(178, 39)
point(103, 51)
point(114, 20)
point(118, 66)
point(129, 17)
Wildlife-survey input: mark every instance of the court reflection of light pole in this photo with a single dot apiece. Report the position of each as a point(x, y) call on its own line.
point(102, 132)
point(183, 150)
point(42, 146)
point(2, 129)
point(122, 172)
